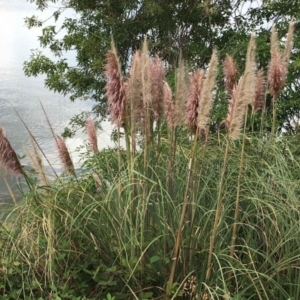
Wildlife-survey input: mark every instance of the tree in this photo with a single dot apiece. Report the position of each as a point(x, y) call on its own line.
point(190, 27)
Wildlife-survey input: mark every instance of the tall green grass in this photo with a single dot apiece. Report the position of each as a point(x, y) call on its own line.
point(71, 241)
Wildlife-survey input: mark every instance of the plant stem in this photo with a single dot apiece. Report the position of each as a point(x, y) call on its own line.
point(8, 187)
point(119, 160)
point(196, 191)
point(218, 212)
point(263, 113)
point(274, 116)
point(171, 162)
point(236, 212)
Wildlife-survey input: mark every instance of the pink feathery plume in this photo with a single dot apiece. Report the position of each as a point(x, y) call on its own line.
point(64, 155)
point(231, 105)
point(115, 91)
point(193, 102)
point(169, 105)
point(8, 157)
point(230, 72)
point(258, 100)
point(277, 72)
point(92, 134)
point(134, 89)
point(157, 90)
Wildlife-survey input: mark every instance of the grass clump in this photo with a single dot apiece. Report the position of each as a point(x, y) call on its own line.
point(180, 213)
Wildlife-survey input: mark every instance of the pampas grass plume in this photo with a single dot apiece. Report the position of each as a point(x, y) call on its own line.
point(157, 91)
point(134, 90)
point(115, 91)
point(193, 102)
point(168, 105)
point(206, 94)
point(289, 42)
point(249, 80)
point(146, 75)
point(8, 157)
point(274, 39)
point(236, 111)
point(64, 156)
point(277, 73)
point(245, 92)
point(230, 72)
point(92, 134)
point(258, 99)
point(181, 93)
point(37, 162)
point(278, 64)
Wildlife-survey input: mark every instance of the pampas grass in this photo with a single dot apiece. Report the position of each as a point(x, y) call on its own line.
point(217, 210)
point(92, 135)
point(37, 163)
point(289, 42)
point(230, 73)
point(8, 157)
point(206, 96)
point(134, 89)
point(64, 156)
point(169, 106)
point(277, 73)
point(180, 93)
point(115, 90)
point(157, 90)
point(278, 68)
point(259, 95)
point(193, 102)
point(146, 76)
point(232, 103)
point(237, 108)
point(9, 161)
point(245, 92)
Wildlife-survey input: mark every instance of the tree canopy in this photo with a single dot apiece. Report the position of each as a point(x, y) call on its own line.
point(191, 27)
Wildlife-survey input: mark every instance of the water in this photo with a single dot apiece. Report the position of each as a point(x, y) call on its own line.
point(24, 94)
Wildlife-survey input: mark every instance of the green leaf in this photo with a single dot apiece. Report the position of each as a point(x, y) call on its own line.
point(154, 258)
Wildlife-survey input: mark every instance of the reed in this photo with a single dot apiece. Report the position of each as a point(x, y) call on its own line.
point(92, 135)
point(170, 120)
point(157, 90)
point(230, 73)
point(37, 163)
point(238, 106)
point(64, 156)
point(193, 102)
point(204, 110)
point(245, 92)
point(278, 68)
point(181, 92)
point(115, 91)
point(259, 94)
point(9, 161)
point(8, 157)
point(204, 107)
point(289, 42)
point(135, 99)
point(169, 106)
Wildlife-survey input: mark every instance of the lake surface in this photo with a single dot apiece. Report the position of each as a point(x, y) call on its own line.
point(25, 94)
